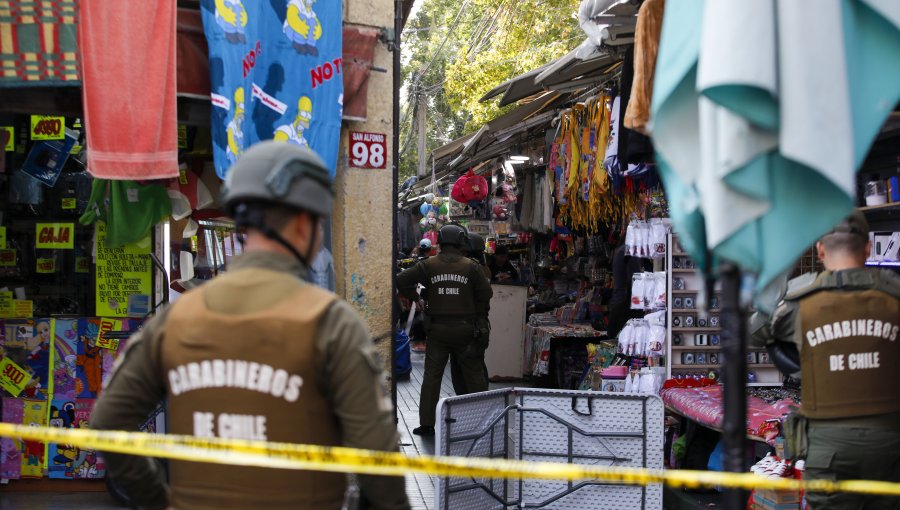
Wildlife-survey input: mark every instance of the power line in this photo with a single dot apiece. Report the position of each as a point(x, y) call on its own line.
point(441, 47)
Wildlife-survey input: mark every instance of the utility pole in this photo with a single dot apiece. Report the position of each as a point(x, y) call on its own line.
point(420, 121)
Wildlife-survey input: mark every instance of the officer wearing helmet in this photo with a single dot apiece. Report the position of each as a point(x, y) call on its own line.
point(259, 354)
point(476, 253)
point(457, 298)
point(839, 334)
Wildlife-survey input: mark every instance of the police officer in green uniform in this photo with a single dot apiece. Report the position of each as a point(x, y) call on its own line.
point(476, 253)
point(457, 297)
point(257, 353)
point(840, 335)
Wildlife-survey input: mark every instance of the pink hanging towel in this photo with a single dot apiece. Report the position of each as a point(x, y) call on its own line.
point(128, 66)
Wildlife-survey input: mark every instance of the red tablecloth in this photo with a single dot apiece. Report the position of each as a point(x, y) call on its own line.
point(704, 405)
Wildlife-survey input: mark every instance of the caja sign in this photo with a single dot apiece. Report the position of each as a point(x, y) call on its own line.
point(55, 236)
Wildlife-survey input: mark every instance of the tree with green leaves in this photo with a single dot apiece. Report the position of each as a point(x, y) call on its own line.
point(454, 51)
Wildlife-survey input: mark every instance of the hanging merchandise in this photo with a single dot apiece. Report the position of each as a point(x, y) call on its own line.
point(128, 63)
point(470, 189)
point(647, 239)
point(275, 73)
point(659, 238)
point(638, 291)
point(648, 291)
point(658, 298)
point(637, 238)
point(646, 47)
point(589, 192)
point(129, 209)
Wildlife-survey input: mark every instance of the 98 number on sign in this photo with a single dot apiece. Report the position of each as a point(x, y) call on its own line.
point(367, 150)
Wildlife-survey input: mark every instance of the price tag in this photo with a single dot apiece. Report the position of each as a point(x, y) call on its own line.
point(69, 203)
point(106, 326)
point(2, 238)
point(182, 136)
point(82, 265)
point(45, 127)
point(55, 236)
point(46, 266)
point(7, 258)
point(13, 378)
point(23, 308)
point(368, 150)
point(108, 343)
point(6, 303)
point(7, 138)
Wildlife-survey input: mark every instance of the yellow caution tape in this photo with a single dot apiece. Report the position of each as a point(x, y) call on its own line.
point(352, 460)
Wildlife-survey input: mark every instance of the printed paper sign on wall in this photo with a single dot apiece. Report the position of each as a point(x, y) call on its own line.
point(276, 72)
point(121, 272)
point(7, 139)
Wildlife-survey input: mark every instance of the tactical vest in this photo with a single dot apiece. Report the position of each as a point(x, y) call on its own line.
point(249, 376)
point(450, 287)
point(850, 357)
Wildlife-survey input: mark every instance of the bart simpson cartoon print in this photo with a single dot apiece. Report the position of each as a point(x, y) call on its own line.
point(302, 26)
point(235, 129)
point(232, 18)
point(293, 132)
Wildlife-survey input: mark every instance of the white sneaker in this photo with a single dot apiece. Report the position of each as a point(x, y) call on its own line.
point(779, 470)
point(766, 462)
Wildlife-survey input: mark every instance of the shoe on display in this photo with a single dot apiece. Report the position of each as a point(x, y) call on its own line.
point(779, 470)
point(422, 430)
point(764, 463)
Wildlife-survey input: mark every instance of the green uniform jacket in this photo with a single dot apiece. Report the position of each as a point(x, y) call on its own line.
point(348, 367)
point(837, 315)
point(455, 285)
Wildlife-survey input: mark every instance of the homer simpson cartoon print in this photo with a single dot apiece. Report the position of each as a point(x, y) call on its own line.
point(302, 26)
point(293, 132)
point(235, 129)
point(232, 18)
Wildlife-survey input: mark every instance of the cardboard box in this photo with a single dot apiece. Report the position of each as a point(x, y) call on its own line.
point(617, 385)
point(779, 497)
point(780, 500)
point(764, 504)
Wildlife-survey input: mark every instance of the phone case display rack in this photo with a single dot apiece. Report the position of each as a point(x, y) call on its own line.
point(694, 336)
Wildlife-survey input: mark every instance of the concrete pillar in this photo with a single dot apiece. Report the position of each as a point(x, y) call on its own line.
point(362, 240)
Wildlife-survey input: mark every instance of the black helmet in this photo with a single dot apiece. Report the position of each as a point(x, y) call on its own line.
point(453, 235)
point(282, 174)
point(476, 244)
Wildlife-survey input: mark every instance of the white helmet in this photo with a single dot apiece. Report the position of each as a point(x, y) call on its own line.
point(425, 244)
